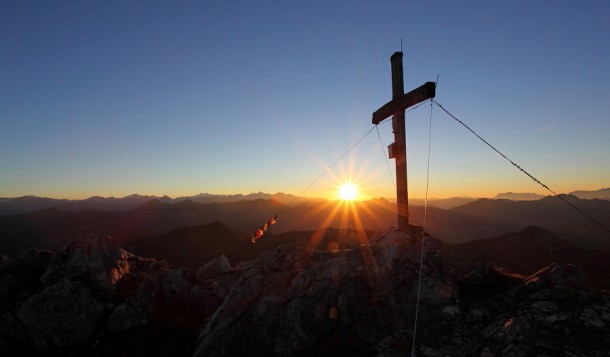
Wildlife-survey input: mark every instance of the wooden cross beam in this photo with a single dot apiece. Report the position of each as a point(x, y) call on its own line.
point(398, 149)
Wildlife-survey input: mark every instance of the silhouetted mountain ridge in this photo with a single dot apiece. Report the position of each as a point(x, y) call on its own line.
point(518, 196)
point(603, 193)
point(51, 228)
point(190, 246)
point(529, 250)
point(29, 204)
point(550, 213)
point(193, 246)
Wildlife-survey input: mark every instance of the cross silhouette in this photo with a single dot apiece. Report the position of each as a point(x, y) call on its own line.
point(398, 149)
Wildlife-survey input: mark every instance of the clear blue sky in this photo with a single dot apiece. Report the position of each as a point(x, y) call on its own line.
point(162, 97)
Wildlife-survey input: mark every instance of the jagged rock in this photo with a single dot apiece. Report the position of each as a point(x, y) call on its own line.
point(490, 276)
point(129, 314)
point(290, 300)
point(35, 259)
point(219, 265)
point(129, 284)
point(591, 318)
point(7, 285)
point(23, 272)
point(100, 260)
point(545, 306)
point(93, 292)
point(10, 329)
point(477, 312)
point(487, 352)
point(545, 314)
point(8, 265)
point(63, 314)
point(603, 308)
point(451, 310)
point(178, 297)
point(552, 275)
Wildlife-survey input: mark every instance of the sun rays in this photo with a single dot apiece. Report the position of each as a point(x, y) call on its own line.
point(348, 209)
point(353, 221)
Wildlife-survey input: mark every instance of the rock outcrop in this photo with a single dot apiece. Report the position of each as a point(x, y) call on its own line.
point(63, 314)
point(545, 314)
point(297, 301)
point(100, 260)
point(91, 293)
point(94, 298)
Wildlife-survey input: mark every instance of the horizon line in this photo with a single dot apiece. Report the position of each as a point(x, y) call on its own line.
point(82, 198)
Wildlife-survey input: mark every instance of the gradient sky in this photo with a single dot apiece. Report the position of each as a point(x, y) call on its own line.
point(112, 98)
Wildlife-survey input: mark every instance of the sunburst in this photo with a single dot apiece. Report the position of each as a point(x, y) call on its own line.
point(348, 191)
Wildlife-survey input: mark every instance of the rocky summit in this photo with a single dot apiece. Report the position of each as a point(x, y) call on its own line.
point(293, 301)
point(94, 298)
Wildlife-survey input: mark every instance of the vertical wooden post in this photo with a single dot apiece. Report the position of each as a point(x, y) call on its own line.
point(400, 145)
point(398, 149)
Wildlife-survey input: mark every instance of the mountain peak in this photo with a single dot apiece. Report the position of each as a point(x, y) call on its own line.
point(323, 294)
point(528, 250)
point(524, 196)
point(603, 193)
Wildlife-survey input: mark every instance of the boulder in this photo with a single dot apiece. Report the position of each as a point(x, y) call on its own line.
point(177, 297)
point(131, 313)
point(216, 266)
point(35, 259)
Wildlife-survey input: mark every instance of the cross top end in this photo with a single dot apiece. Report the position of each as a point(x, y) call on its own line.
point(396, 54)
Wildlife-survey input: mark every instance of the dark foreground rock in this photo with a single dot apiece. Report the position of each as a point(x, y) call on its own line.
point(296, 302)
point(94, 298)
point(545, 314)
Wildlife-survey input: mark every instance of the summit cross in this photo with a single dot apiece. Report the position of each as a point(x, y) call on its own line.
point(398, 149)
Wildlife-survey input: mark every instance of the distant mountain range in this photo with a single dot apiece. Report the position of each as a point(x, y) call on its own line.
point(51, 228)
point(29, 204)
point(527, 251)
point(516, 196)
point(194, 246)
point(550, 213)
point(602, 194)
point(444, 203)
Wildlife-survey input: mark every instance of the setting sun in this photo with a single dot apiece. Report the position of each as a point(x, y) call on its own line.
point(348, 192)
